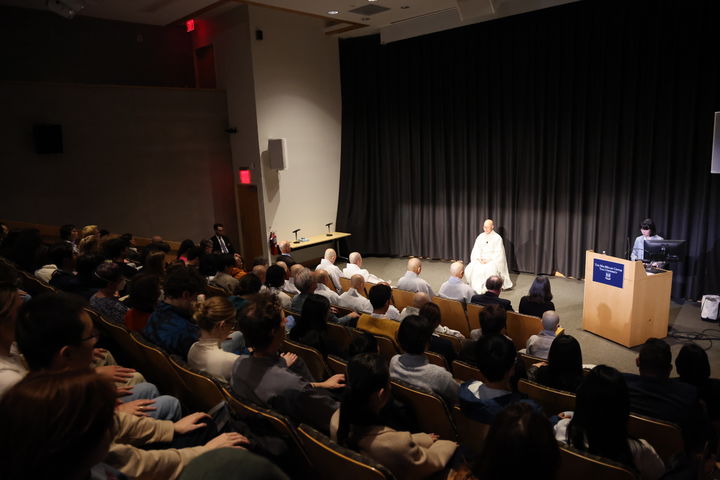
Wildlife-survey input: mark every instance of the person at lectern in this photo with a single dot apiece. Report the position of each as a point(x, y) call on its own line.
point(647, 230)
point(487, 259)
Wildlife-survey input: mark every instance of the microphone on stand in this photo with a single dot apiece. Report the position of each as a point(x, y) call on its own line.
point(295, 232)
point(328, 227)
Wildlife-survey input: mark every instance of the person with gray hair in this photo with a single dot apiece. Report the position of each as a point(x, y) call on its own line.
point(306, 283)
point(411, 281)
point(328, 264)
point(354, 266)
point(321, 278)
point(352, 299)
point(539, 345)
point(455, 288)
point(419, 299)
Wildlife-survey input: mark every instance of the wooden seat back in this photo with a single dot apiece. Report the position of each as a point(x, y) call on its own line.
point(453, 314)
point(402, 298)
point(665, 437)
point(340, 335)
point(471, 433)
point(202, 391)
point(336, 365)
point(158, 369)
point(436, 359)
point(551, 400)
point(124, 348)
point(430, 410)
point(466, 372)
point(575, 464)
point(473, 313)
point(312, 358)
point(33, 285)
point(345, 284)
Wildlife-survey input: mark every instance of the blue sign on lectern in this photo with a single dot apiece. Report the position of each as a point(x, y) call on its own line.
point(609, 273)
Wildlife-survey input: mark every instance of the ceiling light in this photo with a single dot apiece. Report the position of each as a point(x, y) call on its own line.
point(333, 12)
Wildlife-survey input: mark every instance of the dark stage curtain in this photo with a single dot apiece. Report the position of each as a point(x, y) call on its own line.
point(567, 126)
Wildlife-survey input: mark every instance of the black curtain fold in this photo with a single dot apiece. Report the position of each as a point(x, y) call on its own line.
point(567, 126)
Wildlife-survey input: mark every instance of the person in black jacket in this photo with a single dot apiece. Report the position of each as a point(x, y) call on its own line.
point(539, 298)
point(221, 243)
point(492, 296)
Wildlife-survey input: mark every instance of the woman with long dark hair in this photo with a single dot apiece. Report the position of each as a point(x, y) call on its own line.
point(599, 424)
point(311, 327)
point(564, 370)
point(539, 298)
point(357, 425)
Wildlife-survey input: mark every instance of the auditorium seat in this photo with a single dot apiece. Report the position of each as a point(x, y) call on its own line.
point(312, 358)
point(529, 360)
point(331, 461)
point(213, 291)
point(551, 400)
point(402, 298)
point(521, 327)
point(455, 341)
point(125, 350)
point(345, 284)
point(436, 359)
point(336, 364)
point(388, 347)
point(201, 392)
point(575, 464)
point(430, 410)
point(158, 369)
point(665, 437)
point(471, 433)
point(453, 314)
point(33, 285)
point(340, 335)
point(473, 311)
point(466, 372)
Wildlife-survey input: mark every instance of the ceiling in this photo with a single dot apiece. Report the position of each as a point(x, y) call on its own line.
point(394, 19)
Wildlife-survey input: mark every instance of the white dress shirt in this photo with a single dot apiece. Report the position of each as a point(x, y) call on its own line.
point(353, 300)
point(352, 269)
point(456, 289)
point(332, 270)
point(332, 297)
point(412, 282)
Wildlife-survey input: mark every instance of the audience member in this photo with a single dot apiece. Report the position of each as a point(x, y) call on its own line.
point(221, 243)
point(144, 292)
point(154, 263)
point(216, 318)
point(599, 424)
point(274, 280)
point(12, 364)
point(250, 284)
point(564, 368)
point(61, 255)
point(238, 270)
point(419, 299)
point(353, 299)
point(90, 231)
point(280, 382)
point(480, 401)
point(413, 366)
point(358, 425)
point(539, 345)
point(54, 332)
point(259, 271)
point(289, 287)
point(89, 245)
point(306, 284)
point(492, 295)
point(116, 251)
point(653, 394)
point(411, 281)
point(493, 321)
point(519, 444)
point(539, 298)
point(225, 263)
point(321, 278)
point(328, 264)
point(110, 281)
point(354, 267)
point(86, 280)
point(694, 369)
point(69, 234)
point(311, 327)
point(456, 288)
point(378, 323)
point(55, 257)
point(437, 344)
point(185, 247)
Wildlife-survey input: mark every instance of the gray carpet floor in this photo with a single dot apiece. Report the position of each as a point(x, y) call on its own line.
point(568, 299)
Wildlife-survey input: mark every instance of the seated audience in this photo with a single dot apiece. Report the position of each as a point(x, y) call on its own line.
point(259, 272)
point(653, 394)
point(411, 281)
point(221, 243)
point(280, 382)
point(354, 267)
point(432, 311)
point(519, 444)
point(216, 318)
point(285, 248)
point(69, 235)
point(539, 345)
point(238, 270)
point(328, 264)
point(61, 255)
point(437, 344)
point(321, 277)
point(89, 245)
point(90, 231)
point(539, 298)
point(694, 369)
point(493, 321)
point(352, 299)
point(185, 247)
point(223, 279)
point(56, 256)
point(564, 369)
point(86, 282)
point(109, 279)
point(311, 327)
point(378, 323)
point(419, 299)
point(599, 424)
point(456, 288)
point(492, 295)
point(116, 250)
point(12, 364)
point(154, 263)
point(480, 401)
point(413, 366)
point(250, 284)
point(274, 280)
point(143, 294)
point(54, 332)
point(357, 425)
point(306, 284)
point(289, 287)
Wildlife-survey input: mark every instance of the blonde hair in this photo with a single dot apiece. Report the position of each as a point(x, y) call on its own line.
point(88, 230)
point(213, 311)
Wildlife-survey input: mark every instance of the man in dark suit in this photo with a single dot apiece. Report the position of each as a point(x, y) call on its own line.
point(492, 296)
point(221, 243)
point(653, 394)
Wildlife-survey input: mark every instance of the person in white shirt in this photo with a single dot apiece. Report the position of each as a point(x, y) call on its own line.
point(328, 264)
point(289, 286)
point(353, 299)
point(411, 281)
point(487, 259)
point(321, 276)
point(354, 266)
point(216, 318)
point(455, 288)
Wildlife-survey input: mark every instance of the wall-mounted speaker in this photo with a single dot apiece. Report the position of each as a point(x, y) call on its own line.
point(277, 151)
point(47, 139)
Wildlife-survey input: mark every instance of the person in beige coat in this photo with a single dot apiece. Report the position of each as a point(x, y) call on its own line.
point(356, 425)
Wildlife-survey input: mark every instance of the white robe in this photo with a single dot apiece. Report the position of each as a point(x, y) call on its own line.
point(488, 246)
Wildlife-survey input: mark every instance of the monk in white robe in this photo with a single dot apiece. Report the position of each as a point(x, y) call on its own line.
point(486, 259)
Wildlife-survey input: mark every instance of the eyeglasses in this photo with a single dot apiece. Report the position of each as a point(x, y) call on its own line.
point(94, 334)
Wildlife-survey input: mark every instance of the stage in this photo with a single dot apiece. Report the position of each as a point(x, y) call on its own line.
point(568, 298)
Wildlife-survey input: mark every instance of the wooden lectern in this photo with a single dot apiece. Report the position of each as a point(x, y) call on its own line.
point(622, 302)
